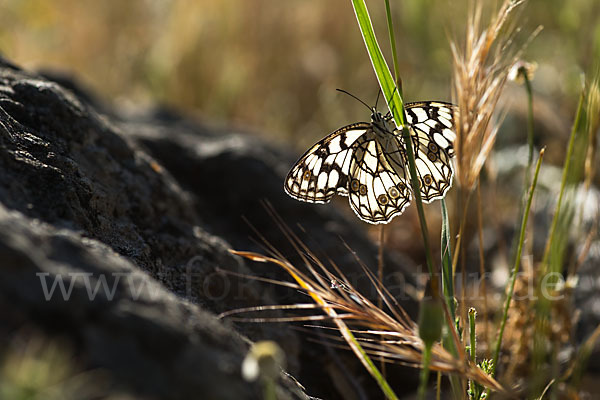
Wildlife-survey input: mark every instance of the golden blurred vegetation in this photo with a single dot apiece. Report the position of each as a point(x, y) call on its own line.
point(270, 65)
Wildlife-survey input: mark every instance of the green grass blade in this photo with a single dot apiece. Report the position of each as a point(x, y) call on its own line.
point(386, 81)
point(563, 221)
point(517, 263)
point(566, 170)
point(447, 278)
point(448, 290)
point(393, 98)
point(529, 123)
point(530, 138)
point(580, 362)
point(383, 384)
point(394, 101)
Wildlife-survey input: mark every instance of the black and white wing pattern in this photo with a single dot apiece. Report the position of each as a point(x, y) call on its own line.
point(324, 169)
point(431, 123)
point(367, 162)
point(378, 188)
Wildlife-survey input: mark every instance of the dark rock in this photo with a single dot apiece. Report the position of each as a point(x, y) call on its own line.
point(154, 343)
point(157, 199)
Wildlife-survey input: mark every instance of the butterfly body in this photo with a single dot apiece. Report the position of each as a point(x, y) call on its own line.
point(367, 162)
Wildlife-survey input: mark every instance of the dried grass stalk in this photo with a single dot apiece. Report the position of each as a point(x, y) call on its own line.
point(481, 67)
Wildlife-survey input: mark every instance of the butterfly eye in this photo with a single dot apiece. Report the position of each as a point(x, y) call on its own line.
point(382, 199)
point(393, 192)
point(433, 147)
point(306, 176)
point(362, 190)
point(432, 156)
point(355, 185)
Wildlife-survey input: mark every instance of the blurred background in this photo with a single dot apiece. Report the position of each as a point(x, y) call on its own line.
point(272, 66)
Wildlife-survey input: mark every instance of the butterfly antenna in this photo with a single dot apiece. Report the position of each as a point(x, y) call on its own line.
point(353, 96)
point(377, 98)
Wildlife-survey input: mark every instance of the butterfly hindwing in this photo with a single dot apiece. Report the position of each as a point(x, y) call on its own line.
point(432, 127)
point(323, 170)
point(377, 190)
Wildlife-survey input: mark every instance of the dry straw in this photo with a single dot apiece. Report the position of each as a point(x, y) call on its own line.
point(481, 68)
point(370, 331)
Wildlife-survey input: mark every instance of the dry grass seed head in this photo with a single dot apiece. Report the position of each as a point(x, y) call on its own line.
point(390, 334)
point(481, 67)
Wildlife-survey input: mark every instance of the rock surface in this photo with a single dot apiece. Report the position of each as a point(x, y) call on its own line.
point(143, 208)
point(158, 345)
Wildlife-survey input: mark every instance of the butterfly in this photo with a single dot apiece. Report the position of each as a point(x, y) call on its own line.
point(367, 162)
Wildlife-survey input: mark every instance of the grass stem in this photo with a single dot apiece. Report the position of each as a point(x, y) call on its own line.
point(529, 123)
point(472, 342)
point(388, 13)
point(447, 276)
point(424, 376)
point(416, 186)
point(380, 260)
point(380, 278)
point(395, 104)
point(563, 183)
point(486, 324)
point(515, 270)
point(448, 291)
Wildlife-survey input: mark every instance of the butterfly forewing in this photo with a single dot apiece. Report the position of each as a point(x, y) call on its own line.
point(323, 170)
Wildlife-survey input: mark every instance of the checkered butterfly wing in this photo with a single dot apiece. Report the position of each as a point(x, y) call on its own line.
point(431, 124)
point(378, 188)
point(324, 169)
point(367, 162)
